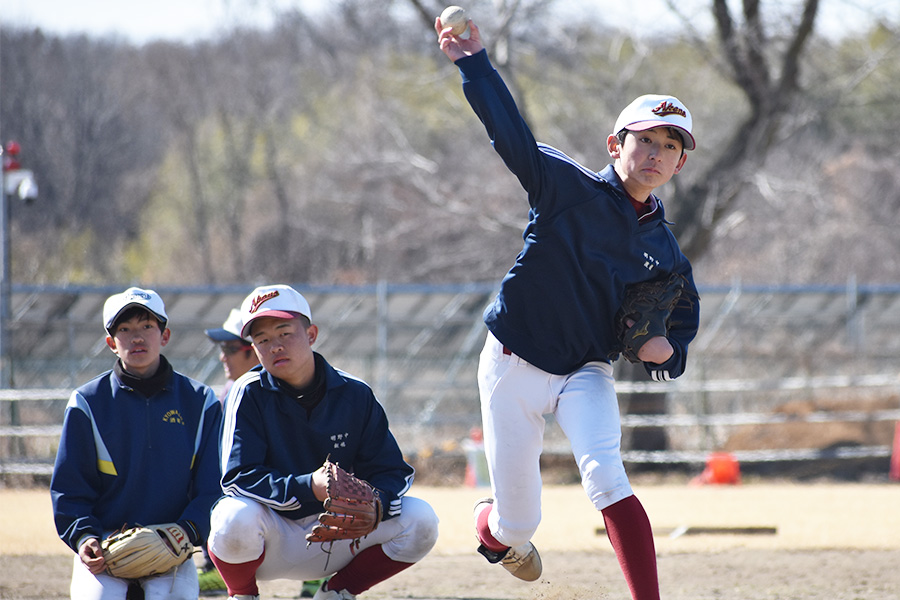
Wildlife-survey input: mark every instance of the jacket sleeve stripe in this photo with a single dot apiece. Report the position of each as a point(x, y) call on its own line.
point(104, 459)
point(559, 155)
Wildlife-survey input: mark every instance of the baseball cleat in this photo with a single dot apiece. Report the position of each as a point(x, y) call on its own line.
point(522, 562)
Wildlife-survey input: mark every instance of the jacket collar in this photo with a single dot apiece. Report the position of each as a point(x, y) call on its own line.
point(609, 175)
point(333, 379)
point(145, 386)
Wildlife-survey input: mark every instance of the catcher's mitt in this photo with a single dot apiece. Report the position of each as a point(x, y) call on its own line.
point(646, 310)
point(353, 508)
point(143, 551)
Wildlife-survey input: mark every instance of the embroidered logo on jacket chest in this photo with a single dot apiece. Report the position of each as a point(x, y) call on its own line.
point(173, 416)
point(340, 439)
point(650, 263)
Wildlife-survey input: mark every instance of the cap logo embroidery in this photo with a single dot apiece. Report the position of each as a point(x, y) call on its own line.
point(141, 295)
point(664, 109)
point(259, 300)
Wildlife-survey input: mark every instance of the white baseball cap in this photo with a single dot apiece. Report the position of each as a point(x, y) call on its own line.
point(279, 301)
point(230, 329)
point(116, 304)
point(647, 112)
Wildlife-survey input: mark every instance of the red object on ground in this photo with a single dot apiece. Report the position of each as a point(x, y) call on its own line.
point(721, 468)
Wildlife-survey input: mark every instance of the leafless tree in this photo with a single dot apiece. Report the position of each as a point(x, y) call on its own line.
point(765, 66)
point(353, 155)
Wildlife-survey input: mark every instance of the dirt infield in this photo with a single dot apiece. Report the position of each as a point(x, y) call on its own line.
point(752, 542)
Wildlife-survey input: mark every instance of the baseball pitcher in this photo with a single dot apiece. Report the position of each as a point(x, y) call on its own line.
point(593, 239)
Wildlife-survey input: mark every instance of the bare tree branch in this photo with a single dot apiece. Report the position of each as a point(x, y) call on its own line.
point(699, 209)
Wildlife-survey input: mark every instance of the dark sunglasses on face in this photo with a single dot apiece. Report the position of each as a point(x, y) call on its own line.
point(229, 349)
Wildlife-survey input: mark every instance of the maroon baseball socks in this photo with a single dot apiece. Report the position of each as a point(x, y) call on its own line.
point(628, 529)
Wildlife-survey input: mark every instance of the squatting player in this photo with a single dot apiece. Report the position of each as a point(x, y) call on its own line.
point(280, 425)
point(551, 328)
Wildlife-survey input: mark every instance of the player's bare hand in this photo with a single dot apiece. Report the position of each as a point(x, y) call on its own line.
point(319, 483)
point(91, 555)
point(657, 350)
point(456, 47)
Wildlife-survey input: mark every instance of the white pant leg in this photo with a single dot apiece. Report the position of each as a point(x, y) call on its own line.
point(514, 397)
point(411, 535)
point(588, 413)
point(242, 528)
point(87, 586)
point(178, 584)
point(238, 529)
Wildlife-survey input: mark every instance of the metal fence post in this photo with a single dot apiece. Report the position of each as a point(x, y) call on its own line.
point(854, 314)
point(381, 339)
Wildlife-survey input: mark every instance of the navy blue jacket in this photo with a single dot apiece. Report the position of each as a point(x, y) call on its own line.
point(271, 444)
point(583, 246)
point(127, 459)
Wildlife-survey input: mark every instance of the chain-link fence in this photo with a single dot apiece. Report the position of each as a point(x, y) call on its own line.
point(776, 373)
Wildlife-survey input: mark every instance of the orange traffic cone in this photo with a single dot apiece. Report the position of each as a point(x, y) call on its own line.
point(721, 468)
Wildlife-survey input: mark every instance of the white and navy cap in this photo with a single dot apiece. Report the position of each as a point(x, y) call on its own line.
point(279, 301)
point(149, 300)
point(647, 112)
point(230, 331)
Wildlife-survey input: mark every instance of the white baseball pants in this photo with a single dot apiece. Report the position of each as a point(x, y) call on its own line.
point(515, 396)
point(243, 528)
point(178, 584)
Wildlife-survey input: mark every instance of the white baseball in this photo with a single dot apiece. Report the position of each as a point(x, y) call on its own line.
point(455, 18)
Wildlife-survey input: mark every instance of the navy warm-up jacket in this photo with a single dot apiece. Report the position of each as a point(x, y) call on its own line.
point(125, 459)
point(583, 246)
point(271, 443)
